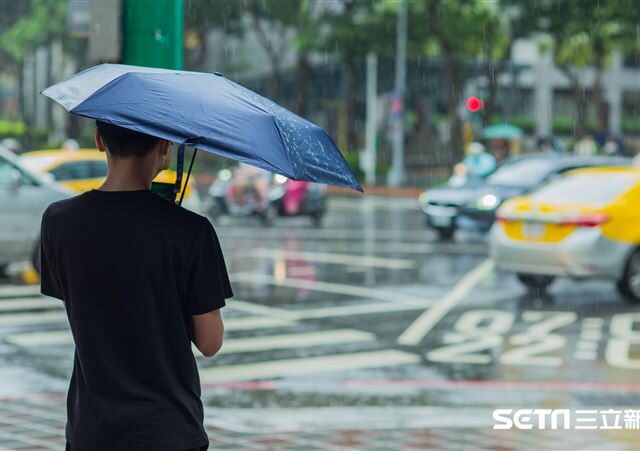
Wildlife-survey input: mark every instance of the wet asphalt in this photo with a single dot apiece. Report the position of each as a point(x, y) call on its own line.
point(370, 310)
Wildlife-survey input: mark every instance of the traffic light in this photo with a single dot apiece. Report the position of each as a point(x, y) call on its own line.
point(475, 108)
point(474, 104)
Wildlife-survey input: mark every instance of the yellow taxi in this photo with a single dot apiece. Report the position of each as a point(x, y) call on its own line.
point(85, 169)
point(582, 225)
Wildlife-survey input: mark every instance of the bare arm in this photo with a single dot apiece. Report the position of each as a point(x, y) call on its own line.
point(208, 331)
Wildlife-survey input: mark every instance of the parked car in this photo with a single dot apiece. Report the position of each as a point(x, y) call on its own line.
point(24, 196)
point(85, 169)
point(472, 206)
point(582, 225)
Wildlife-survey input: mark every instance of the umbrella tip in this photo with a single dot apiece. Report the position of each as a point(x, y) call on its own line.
point(219, 74)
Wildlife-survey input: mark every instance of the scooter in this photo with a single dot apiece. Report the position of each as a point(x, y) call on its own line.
point(219, 203)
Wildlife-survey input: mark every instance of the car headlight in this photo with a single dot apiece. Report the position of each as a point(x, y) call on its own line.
point(488, 202)
point(423, 198)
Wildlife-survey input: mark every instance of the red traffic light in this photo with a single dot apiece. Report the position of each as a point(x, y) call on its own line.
point(474, 104)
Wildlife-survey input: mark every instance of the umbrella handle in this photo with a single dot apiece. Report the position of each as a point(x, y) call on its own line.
point(180, 165)
point(186, 181)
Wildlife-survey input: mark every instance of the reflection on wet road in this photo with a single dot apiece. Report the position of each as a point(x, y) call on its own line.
point(370, 310)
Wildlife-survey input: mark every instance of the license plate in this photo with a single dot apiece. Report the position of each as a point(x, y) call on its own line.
point(441, 221)
point(533, 229)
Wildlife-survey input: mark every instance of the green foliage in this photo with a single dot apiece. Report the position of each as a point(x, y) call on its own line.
point(566, 125)
point(631, 126)
point(12, 129)
point(526, 123)
point(43, 20)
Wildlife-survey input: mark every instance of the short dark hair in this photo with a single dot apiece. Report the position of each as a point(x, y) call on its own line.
point(123, 142)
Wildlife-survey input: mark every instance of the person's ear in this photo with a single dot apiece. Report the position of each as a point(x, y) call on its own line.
point(99, 142)
point(166, 146)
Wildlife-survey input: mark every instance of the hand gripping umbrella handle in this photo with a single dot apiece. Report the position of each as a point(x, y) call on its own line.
point(180, 166)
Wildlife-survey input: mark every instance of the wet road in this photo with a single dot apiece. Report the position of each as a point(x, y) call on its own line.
point(371, 311)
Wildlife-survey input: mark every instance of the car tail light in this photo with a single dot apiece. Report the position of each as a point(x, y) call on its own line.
point(586, 220)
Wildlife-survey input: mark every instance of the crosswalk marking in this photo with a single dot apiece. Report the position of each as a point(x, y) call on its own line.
point(48, 338)
point(309, 365)
point(29, 304)
point(295, 340)
point(329, 287)
point(348, 310)
point(58, 337)
point(21, 319)
point(340, 259)
point(19, 290)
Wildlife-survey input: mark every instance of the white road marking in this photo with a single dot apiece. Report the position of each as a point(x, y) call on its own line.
point(249, 233)
point(258, 309)
point(30, 304)
point(49, 338)
point(430, 317)
point(20, 319)
point(273, 420)
point(309, 365)
point(295, 340)
point(340, 259)
point(321, 312)
point(19, 290)
point(328, 287)
point(57, 337)
point(587, 345)
point(348, 310)
point(591, 335)
point(585, 355)
point(392, 203)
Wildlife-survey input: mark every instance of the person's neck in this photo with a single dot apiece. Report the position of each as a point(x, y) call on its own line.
point(124, 178)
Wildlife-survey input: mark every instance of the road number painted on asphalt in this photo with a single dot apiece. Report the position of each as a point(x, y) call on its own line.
point(538, 339)
point(478, 333)
point(623, 337)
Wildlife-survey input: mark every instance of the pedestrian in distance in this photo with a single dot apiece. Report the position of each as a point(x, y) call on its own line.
point(141, 280)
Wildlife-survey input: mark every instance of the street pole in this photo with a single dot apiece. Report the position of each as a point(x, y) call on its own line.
point(372, 115)
point(397, 174)
point(153, 33)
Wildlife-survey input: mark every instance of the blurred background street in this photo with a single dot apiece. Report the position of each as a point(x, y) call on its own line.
point(493, 261)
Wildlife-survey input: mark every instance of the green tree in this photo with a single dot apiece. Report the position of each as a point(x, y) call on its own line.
point(202, 16)
point(583, 34)
point(350, 32)
point(461, 32)
point(26, 25)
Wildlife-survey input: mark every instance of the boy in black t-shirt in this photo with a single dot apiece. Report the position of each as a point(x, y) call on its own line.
point(141, 278)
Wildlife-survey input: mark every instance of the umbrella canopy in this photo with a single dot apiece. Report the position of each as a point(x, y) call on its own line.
point(502, 131)
point(216, 114)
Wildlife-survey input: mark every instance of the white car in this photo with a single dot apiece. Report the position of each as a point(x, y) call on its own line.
point(23, 198)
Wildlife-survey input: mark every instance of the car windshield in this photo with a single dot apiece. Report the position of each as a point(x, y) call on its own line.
point(586, 188)
point(37, 164)
point(526, 172)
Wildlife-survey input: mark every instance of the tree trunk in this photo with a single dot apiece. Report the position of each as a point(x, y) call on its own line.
point(579, 99)
point(454, 75)
point(350, 102)
point(274, 85)
point(492, 85)
point(601, 107)
point(302, 84)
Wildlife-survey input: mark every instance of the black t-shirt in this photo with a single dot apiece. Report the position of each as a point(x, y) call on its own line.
point(132, 269)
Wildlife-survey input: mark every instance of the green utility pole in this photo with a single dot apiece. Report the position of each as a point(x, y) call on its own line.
point(153, 33)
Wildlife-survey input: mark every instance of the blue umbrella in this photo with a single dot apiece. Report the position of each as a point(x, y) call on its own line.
point(209, 112)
